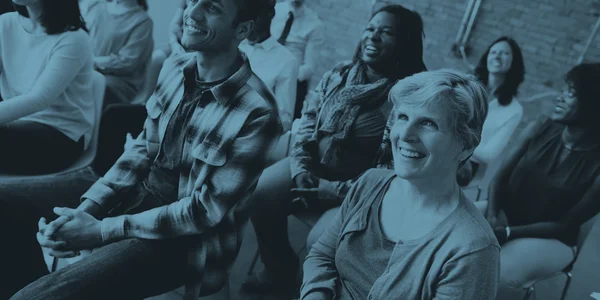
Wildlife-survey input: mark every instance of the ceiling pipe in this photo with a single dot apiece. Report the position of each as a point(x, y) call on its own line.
point(471, 22)
point(465, 30)
point(464, 21)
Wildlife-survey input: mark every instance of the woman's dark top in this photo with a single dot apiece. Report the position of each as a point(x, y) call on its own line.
point(542, 188)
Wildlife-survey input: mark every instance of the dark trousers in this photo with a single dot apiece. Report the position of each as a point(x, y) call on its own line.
point(31, 148)
point(301, 92)
point(128, 269)
point(117, 121)
point(272, 203)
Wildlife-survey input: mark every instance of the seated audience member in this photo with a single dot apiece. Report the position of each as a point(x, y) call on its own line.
point(502, 70)
point(47, 115)
point(410, 233)
point(273, 63)
point(300, 30)
point(337, 141)
point(548, 185)
point(171, 210)
point(122, 43)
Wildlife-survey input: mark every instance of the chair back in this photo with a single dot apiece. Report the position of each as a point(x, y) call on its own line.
point(89, 154)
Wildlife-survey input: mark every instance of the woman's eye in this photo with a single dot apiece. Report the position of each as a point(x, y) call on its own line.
point(430, 123)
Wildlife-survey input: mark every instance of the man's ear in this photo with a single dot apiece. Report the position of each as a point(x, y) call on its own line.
point(244, 29)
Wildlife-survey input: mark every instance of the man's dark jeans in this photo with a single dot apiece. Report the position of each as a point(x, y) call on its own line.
point(129, 269)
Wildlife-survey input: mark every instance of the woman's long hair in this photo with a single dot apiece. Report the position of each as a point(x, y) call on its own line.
point(58, 16)
point(408, 53)
point(584, 79)
point(514, 77)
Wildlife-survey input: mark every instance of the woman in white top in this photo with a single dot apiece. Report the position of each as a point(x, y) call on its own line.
point(46, 66)
point(122, 43)
point(502, 70)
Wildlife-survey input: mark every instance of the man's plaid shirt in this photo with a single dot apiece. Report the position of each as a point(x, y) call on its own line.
point(225, 150)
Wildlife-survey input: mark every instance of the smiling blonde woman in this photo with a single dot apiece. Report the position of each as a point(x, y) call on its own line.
point(410, 233)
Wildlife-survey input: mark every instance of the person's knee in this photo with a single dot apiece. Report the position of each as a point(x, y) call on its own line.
point(511, 281)
point(272, 196)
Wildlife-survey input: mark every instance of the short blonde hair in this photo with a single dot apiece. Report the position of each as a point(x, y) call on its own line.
point(464, 97)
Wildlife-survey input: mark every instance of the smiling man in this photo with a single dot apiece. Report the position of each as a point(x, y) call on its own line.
point(170, 211)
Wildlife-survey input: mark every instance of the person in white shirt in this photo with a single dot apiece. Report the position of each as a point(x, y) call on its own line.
point(46, 68)
point(274, 64)
point(122, 43)
point(502, 70)
point(299, 29)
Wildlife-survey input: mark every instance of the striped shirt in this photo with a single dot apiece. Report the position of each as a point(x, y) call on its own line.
point(225, 148)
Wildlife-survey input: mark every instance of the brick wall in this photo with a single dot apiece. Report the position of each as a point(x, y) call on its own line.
point(551, 33)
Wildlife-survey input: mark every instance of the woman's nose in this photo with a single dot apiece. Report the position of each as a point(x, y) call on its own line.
point(408, 134)
point(375, 35)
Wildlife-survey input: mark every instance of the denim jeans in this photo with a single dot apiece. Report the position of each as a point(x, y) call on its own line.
point(128, 269)
point(272, 203)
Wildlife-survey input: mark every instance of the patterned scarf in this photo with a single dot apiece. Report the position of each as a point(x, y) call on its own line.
point(351, 92)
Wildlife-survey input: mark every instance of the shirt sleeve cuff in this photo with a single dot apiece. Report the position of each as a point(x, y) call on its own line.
point(101, 194)
point(296, 171)
point(113, 229)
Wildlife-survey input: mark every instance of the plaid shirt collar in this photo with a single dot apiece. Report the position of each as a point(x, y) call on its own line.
point(224, 92)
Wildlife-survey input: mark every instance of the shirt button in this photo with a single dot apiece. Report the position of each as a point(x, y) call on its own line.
point(370, 297)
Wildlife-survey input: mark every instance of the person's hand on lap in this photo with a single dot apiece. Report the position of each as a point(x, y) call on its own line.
point(81, 232)
point(46, 239)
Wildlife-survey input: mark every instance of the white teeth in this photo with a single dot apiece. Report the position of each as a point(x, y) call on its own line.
point(411, 154)
point(191, 27)
point(371, 48)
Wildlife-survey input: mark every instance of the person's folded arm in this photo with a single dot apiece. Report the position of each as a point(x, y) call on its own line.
point(227, 185)
point(176, 26)
point(132, 55)
point(486, 153)
point(471, 276)
point(300, 156)
point(285, 93)
point(314, 44)
point(568, 225)
point(64, 64)
point(497, 189)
